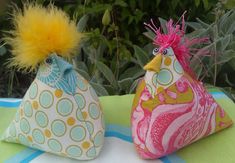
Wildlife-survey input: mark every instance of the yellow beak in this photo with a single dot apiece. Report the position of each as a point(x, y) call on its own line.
point(154, 64)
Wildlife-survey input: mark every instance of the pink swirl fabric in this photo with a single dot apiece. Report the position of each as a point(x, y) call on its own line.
point(176, 117)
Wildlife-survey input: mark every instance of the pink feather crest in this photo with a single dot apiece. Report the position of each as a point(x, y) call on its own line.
point(175, 38)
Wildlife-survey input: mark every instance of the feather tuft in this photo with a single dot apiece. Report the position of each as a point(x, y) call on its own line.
point(175, 38)
point(38, 32)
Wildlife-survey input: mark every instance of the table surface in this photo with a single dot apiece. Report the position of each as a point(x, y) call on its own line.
point(118, 145)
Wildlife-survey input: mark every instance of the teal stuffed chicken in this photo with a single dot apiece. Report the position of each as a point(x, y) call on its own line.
point(60, 112)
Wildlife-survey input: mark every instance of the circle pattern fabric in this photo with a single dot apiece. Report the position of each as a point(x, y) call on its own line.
point(28, 111)
point(24, 126)
point(38, 136)
point(94, 111)
point(54, 145)
point(78, 133)
point(80, 101)
point(64, 107)
point(165, 77)
point(41, 119)
point(177, 67)
point(74, 151)
point(46, 99)
point(49, 119)
point(58, 128)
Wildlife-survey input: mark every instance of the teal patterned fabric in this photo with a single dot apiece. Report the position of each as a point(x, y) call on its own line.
point(60, 113)
point(58, 74)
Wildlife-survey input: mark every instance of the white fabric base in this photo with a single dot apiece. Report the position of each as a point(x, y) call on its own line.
point(114, 151)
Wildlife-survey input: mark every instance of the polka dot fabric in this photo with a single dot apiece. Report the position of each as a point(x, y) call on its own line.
point(170, 72)
point(51, 120)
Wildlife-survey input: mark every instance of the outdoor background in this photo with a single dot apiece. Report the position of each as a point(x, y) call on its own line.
point(118, 45)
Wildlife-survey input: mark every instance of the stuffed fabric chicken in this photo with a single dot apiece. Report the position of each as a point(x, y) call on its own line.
point(60, 113)
point(171, 109)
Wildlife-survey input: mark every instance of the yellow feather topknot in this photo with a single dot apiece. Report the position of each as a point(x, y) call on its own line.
point(38, 32)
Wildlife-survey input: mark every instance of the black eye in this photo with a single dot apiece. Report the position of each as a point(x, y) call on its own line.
point(49, 61)
point(155, 50)
point(165, 51)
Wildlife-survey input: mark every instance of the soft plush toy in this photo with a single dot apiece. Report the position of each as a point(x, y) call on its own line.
point(60, 113)
point(171, 108)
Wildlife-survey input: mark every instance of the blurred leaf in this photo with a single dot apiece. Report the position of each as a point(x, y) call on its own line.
point(133, 72)
point(223, 42)
point(150, 34)
point(134, 85)
point(141, 56)
point(90, 52)
point(81, 25)
point(230, 4)
point(228, 81)
point(226, 57)
point(197, 2)
point(108, 74)
point(120, 3)
point(84, 74)
point(205, 4)
point(232, 63)
point(203, 24)
point(174, 4)
point(194, 25)
point(100, 90)
point(2, 50)
point(228, 21)
point(106, 19)
point(80, 65)
point(163, 24)
point(125, 84)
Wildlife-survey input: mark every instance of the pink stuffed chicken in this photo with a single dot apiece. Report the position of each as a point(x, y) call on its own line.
point(172, 109)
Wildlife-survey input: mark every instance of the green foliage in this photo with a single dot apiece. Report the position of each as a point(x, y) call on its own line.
point(114, 51)
point(219, 68)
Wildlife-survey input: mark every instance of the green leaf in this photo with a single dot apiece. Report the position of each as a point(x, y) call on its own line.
point(98, 8)
point(196, 34)
point(141, 56)
point(226, 57)
point(223, 42)
point(81, 25)
point(100, 90)
point(133, 72)
point(3, 50)
point(174, 4)
point(194, 25)
point(203, 24)
point(108, 74)
point(227, 22)
point(228, 81)
point(150, 34)
point(197, 2)
point(84, 74)
point(230, 4)
point(80, 65)
point(231, 29)
point(134, 85)
point(132, 4)
point(106, 19)
point(120, 3)
point(163, 24)
point(125, 84)
point(40, 1)
point(90, 52)
point(232, 63)
point(206, 4)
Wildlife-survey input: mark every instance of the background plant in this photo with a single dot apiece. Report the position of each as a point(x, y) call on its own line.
point(219, 68)
point(115, 49)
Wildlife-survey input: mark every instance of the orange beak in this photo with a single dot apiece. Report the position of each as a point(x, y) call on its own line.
point(154, 64)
